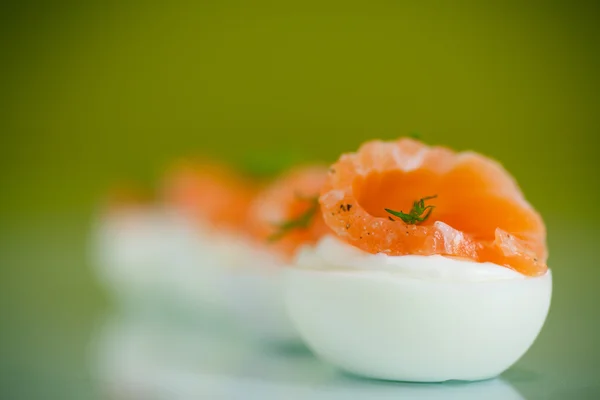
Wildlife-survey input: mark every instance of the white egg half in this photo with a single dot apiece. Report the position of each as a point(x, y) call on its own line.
point(255, 294)
point(413, 318)
point(156, 258)
point(153, 253)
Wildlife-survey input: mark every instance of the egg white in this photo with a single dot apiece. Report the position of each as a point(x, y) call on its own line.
point(157, 259)
point(413, 318)
point(150, 255)
point(255, 293)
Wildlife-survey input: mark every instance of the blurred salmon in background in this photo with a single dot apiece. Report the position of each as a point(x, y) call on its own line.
point(209, 192)
point(286, 214)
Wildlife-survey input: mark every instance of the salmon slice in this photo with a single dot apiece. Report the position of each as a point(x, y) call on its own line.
point(476, 209)
point(286, 213)
point(209, 192)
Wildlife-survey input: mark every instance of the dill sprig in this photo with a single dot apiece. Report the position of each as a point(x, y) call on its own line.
point(302, 221)
point(415, 216)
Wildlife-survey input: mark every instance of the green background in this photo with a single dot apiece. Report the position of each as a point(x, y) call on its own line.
point(97, 92)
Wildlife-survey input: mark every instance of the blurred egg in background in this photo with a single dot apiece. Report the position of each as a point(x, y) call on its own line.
point(98, 93)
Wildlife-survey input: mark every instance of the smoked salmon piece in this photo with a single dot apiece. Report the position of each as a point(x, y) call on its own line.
point(473, 208)
point(286, 213)
point(209, 192)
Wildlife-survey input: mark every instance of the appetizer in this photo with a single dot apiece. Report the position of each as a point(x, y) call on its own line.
point(283, 217)
point(435, 269)
point(213, 199)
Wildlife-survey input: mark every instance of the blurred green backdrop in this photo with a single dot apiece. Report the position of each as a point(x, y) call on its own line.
point(96, 92)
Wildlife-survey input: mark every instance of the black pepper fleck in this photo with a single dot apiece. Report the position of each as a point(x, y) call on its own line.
point(348, 206)
point(390, 218)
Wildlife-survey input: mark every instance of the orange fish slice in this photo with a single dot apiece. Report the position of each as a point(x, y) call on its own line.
point(209, 192)
point(286, 213)
point(404, 197)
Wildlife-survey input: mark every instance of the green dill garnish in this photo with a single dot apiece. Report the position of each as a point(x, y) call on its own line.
point(415, 216)
point(302, 221)
point(415, 135)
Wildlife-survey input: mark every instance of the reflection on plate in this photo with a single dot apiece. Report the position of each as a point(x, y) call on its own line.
point(141, 358)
